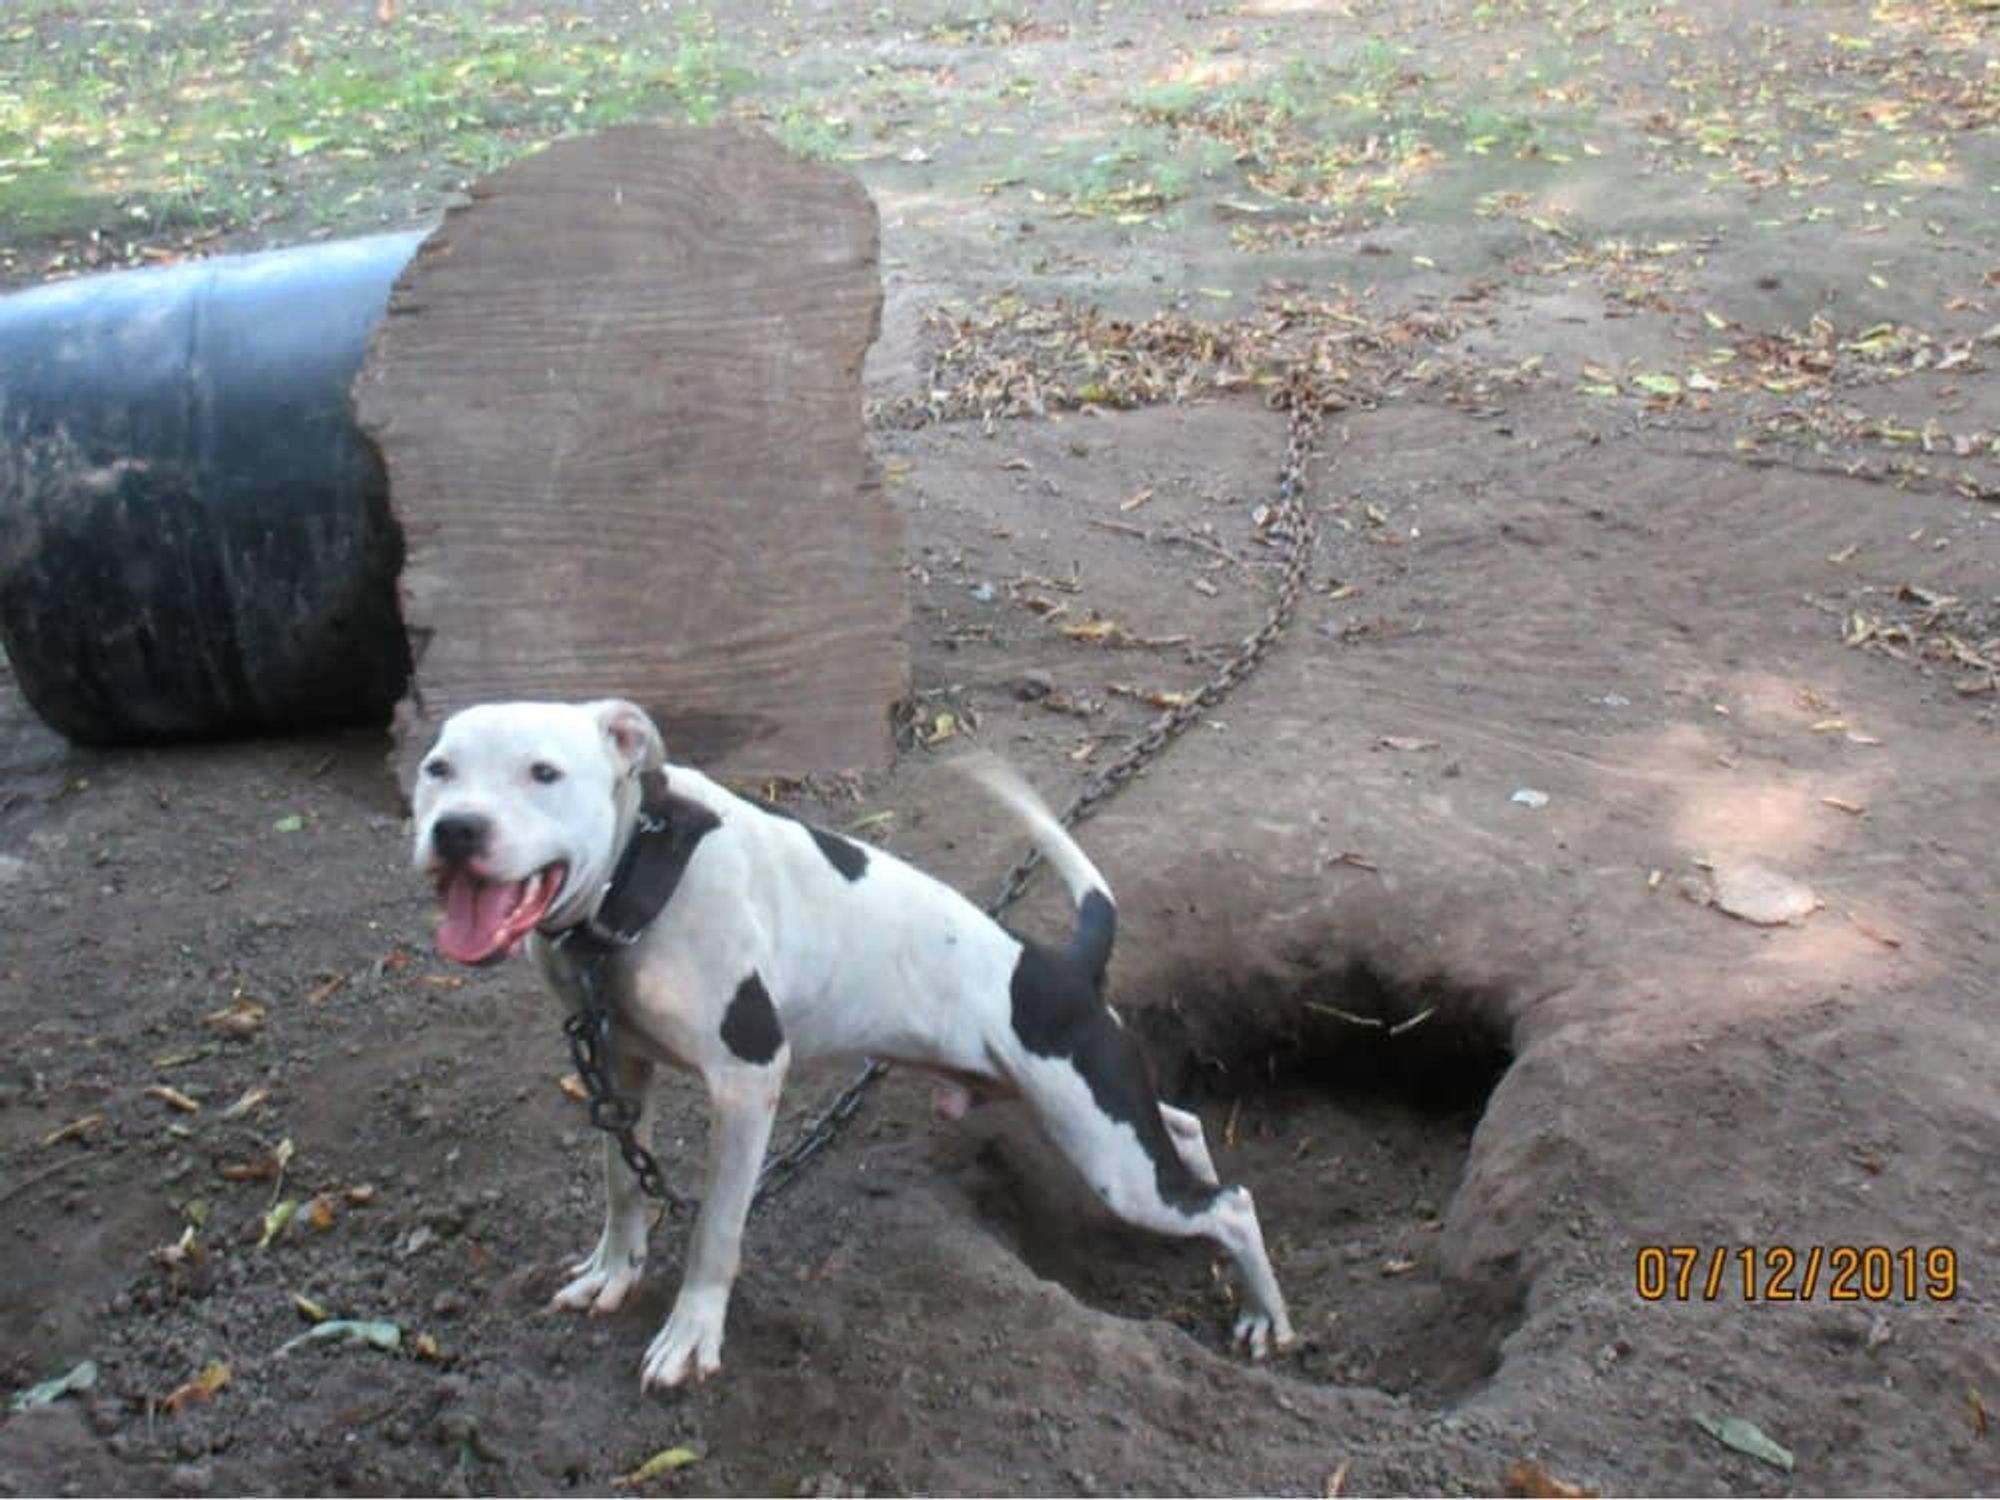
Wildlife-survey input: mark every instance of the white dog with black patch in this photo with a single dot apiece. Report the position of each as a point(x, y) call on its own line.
point(770, 941)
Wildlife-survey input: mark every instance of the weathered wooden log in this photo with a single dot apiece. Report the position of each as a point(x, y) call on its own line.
point(618, 398)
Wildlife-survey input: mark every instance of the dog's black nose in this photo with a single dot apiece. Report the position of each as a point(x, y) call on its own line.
point(458, 837)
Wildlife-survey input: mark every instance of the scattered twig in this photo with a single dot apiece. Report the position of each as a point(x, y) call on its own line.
point(1123, 528)
point(1345, 1015)
point(1414, 1021)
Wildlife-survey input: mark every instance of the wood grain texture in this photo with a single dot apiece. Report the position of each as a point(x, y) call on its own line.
point(618, 395)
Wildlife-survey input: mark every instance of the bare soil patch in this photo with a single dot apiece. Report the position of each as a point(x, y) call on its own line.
point(1632, 436)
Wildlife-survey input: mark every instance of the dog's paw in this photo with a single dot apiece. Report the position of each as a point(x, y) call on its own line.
point(603, 1280)
point(689, 1346)
point(1259, 1338)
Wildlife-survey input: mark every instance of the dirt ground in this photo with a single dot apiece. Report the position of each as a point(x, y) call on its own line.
point(1655, 548)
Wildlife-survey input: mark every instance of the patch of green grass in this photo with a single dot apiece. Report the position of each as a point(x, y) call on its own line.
point(993, 26)
point(1349, 131)
point(49, 205)
point(224, 116)
point(1360, 130)
point(1132, 179)
point(812, 134)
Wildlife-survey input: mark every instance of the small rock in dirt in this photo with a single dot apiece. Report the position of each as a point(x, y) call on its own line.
point(417, 1240)
point(449, 1305)
point(191, 1479)
point(1030, 687)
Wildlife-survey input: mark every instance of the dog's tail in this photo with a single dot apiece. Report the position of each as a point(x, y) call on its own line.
point(1096, 915)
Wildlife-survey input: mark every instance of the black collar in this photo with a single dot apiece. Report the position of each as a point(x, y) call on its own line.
point(656, 856)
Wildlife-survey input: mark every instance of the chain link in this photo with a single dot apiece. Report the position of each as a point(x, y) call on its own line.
point(592, 1030)
point(1292, 525)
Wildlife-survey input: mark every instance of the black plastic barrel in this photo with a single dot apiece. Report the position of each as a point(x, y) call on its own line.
point(195, 539)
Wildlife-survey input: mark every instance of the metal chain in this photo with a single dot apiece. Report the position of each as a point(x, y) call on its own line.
point(1291, 524)
point(592, 1033)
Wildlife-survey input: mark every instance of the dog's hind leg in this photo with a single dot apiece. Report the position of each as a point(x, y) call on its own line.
point(1144, 1178)
point(604, 1278)
point(1184, 1127)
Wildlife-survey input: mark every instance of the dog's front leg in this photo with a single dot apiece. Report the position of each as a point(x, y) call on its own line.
point(744, 1101)
point(605, 1277)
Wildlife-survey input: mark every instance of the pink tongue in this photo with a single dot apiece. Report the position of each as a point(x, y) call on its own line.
point(475, 927)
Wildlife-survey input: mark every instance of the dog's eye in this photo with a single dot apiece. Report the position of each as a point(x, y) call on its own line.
point(437, 770)
point(545, 773)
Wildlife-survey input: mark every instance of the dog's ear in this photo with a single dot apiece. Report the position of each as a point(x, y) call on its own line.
point(635, 743)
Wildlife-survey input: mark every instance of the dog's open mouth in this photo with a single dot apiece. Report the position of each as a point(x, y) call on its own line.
point(485, 920)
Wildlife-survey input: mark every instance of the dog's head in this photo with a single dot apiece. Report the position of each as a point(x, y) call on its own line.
point(521, 810)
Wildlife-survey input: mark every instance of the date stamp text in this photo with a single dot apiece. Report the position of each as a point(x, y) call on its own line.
point(1787, 1273)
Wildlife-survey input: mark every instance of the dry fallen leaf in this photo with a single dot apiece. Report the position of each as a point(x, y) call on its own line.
point(319, 1212)
point(1529, 1480)
point(1153, 697)
point(325, 988)
point(572, 1085)
point(72, 1130)
point(663, 1462)
point(174, 1098)
point(276, 1218)
point(240, 1017)
point(204, 1385)
point(1756, 893)
point(250, 1099)
point(1092, 630)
